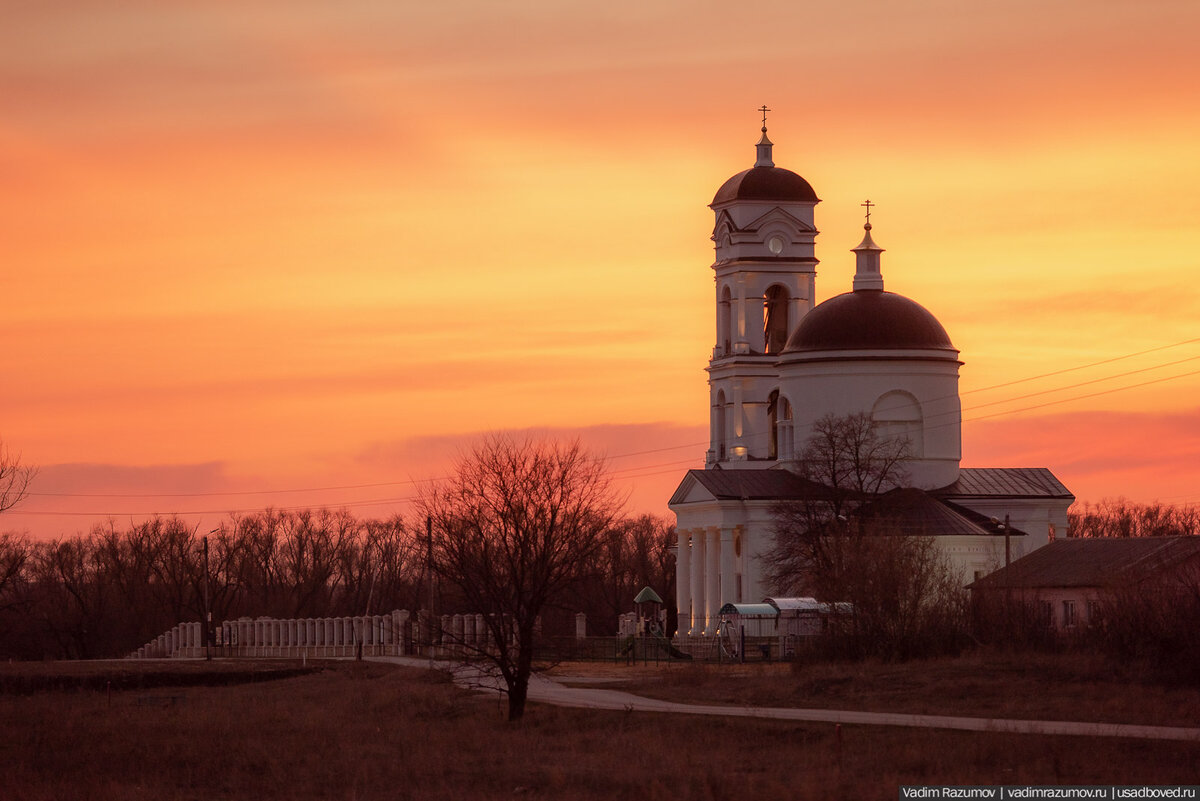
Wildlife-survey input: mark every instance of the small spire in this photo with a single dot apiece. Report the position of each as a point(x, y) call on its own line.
point(867, 274)
point(764, 144)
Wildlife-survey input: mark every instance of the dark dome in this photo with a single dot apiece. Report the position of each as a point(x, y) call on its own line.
point(766, 183)
point(869, 320)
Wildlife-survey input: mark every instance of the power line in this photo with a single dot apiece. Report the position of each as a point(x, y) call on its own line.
point(1061, 372)
point(219, 494)
point(1084, 366)
point(1084, 397)
point(1067, 400)
point(194, 512)
point(1073, 386)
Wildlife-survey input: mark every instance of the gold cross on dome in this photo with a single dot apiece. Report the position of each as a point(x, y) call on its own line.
point(764, 111)
point(868, 204)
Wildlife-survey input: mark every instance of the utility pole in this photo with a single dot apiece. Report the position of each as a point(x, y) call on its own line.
point(207, 610)
point(1007, 543)
point(429, 567)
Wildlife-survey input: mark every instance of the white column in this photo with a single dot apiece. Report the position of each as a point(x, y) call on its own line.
point(728, 577)
point(697, 582)
point(683, 583)
point(712, 599)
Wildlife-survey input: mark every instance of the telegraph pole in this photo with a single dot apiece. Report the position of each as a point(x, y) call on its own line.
point(1007, 543)
point(207, 610)
point(429, 567)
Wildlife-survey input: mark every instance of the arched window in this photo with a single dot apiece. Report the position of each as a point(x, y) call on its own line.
point(779, 416)
point(897, 415)
point(719, 426)
point(775, 318)
point(725, 322)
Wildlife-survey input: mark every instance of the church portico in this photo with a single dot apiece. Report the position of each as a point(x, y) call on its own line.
point(709, 575)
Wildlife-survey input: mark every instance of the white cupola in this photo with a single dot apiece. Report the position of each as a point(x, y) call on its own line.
point(885, 355)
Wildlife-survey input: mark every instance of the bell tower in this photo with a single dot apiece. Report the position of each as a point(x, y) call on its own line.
point(765, 270)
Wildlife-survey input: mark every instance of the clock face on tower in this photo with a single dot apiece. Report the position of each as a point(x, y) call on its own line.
point(775, 244)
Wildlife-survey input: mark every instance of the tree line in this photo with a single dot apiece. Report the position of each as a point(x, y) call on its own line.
point(1121, 518)
point(104, 593)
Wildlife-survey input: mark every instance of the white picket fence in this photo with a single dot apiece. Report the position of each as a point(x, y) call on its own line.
point(397, 633)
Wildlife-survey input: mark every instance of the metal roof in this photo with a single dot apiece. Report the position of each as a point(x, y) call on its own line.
point(1093, 562)
point(917, 513)
point(1005, 482)
point(766, 183)
point(799, 605)
point(906, 510)
point(870, 320)
point(795, 604)
point(749, 610)
point(752, 484)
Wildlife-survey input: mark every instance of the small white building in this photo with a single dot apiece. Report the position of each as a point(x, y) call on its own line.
point(779, 364)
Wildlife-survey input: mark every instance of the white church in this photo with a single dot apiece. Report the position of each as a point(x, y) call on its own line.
point(780, 363)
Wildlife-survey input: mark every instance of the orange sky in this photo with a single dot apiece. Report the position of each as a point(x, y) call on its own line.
point(296, 245)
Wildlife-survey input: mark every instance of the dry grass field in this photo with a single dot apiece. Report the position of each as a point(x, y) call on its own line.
point(375, 731)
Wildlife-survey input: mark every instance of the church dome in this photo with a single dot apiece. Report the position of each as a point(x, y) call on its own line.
point(766, 183)
point(869, 320)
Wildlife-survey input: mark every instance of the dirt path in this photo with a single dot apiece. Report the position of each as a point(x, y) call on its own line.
point(544, 690)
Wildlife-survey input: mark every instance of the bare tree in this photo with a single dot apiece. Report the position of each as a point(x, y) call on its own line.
point(14, 478)
point(842, 540)
point(845, 464)
point(14, 553)
point(515, 526)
